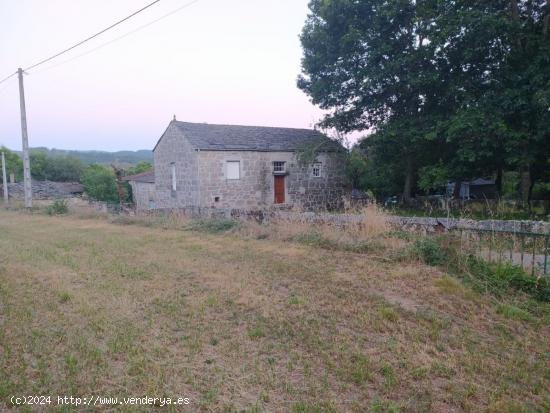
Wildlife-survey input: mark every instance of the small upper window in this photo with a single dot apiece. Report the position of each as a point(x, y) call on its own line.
point(173, 173)
point(278, 166)
point(316, 171)
point(233, 170)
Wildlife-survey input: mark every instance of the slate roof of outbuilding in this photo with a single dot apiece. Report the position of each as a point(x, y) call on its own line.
point(146, 177)
point(205, 136)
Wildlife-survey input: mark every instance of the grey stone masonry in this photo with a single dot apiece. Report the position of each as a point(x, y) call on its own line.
point(255, 187)
point(173, 150)
point(203, 178)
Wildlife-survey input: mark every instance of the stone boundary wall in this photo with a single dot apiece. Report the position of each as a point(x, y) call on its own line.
point(45, 190)
point(408, 223)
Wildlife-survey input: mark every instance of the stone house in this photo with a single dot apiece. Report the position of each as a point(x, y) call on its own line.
point(199, 165)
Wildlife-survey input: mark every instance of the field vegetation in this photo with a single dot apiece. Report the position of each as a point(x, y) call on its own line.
point(284, 317)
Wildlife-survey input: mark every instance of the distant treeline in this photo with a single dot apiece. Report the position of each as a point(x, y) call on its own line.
point(99, 178)
point(99, 157)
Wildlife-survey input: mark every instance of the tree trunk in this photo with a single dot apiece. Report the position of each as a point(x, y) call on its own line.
point(498, 181)
point(546, 26)
point(530, 193)
point(514, 9)
point(458, 185)
point(407, 189)
point(525, 185)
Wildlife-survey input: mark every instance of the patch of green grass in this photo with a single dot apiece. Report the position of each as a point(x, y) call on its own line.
point(400, 234)
point(63, 297)
point(499, 278)
point(213, 226)
point(389, 313)
point(71, 363)
point(439, 369)
point(256, 332)
point(434, 322)
point(316, 239)
point(389, 375)
point(385, 406)
point(358, 369)
point(321, 407)
point(514, 313)
point(296, 300)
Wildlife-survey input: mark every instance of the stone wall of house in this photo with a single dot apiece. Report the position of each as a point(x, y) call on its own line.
point(143, 194)
point(255, 187)
point(172, 149)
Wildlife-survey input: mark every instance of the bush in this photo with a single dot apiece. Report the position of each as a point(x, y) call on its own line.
point(429, 251)
point(59, 207)
point(100, 183)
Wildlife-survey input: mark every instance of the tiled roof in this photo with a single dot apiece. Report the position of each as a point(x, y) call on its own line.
point(206, 136)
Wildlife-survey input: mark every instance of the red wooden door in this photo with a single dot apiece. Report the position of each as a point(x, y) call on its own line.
point(279, 189)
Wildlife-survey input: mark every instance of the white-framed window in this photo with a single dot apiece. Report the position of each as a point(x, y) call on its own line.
point(278, 166)
point(233, 169)
point(316, 170)
point(173, 173)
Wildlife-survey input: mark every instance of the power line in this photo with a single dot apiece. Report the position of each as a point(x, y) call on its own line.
point(120, 37)
point(91, 37)
point(7, 77)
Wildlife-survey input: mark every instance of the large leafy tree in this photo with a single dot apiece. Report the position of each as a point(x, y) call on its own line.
point(449, 88)
point(369, 63)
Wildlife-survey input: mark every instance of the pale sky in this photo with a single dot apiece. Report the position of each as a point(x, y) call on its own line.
point(217, 61)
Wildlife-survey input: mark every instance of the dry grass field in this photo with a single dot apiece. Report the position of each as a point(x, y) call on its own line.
point(245, 322)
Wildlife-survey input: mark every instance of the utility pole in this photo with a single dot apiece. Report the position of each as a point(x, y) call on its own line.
point(4, 179)
point(26, 161)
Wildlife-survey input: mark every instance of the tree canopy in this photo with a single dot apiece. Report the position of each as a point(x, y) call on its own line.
point(59, 168)
point(450, 89)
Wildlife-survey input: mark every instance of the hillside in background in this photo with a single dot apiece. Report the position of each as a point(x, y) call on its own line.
point(101, 157)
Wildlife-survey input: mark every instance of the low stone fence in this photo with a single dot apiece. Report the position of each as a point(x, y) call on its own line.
point(539, 227)
point(45, 190)
point(409, 223)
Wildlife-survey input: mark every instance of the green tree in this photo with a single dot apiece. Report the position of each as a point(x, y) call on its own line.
point(99, 183)
point(55, 168)
point(64, 169)
point(462, 82)
point(371, 63)
point(14, 164)
point(141, 166)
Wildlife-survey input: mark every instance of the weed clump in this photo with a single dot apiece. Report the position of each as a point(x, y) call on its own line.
point(213, 226)
point(58, 207)
point(429, 251)
point(499, 278)
point(317, 239)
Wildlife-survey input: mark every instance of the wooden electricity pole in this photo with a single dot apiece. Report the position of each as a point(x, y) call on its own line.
point(26, 161)
point(4, 178)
